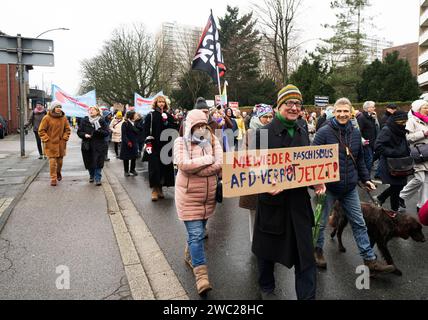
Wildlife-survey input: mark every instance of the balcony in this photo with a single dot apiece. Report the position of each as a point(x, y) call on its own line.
point(424, 19)
point(423, 59)
point(423, 79)
point(423, 39)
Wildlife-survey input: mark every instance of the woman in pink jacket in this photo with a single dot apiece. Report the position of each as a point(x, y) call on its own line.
point(198, 155)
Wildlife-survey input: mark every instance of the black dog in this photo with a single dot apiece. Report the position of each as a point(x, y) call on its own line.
point(382, 226)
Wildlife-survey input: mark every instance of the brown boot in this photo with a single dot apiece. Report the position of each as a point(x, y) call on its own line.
point(155, 195)
point(319, 258)
point(160, 193)
point(53, 183)
point(376, 266)
point(59, 176)
point(187, 257)
point(201, 277)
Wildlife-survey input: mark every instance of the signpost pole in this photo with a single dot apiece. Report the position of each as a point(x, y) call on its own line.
point(21, 94)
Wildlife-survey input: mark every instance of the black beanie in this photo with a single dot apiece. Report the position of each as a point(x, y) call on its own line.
point(201, 104)
point(400, 115)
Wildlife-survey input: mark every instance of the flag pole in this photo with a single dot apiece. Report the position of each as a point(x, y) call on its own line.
point(218, 79)
point(218, 72)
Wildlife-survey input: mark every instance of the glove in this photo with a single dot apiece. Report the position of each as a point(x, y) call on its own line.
point(129, 144)
point(164, 117)
point(148, 147)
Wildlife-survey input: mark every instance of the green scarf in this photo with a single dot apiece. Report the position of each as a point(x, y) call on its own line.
point(288, 124)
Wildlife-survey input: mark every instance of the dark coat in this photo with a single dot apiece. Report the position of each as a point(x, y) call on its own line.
point(321, 121)
point(94, 157)
point(391, 143)
point(129, 134)
point(368, 128)
point(283, 225)
point(35, 120)
point(160, 174)
point(349, 172)
point(139, 124)
point(384, 119)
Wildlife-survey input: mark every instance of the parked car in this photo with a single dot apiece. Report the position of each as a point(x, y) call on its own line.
point(3, 127)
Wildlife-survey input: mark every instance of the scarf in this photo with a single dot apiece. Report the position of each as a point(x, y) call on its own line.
point(39, 109)
point(289, 125)
point(56, 115)
point(421, 117)
point(95, 122)
point(255, 123)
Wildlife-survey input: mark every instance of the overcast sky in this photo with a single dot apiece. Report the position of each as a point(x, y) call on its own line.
point(91, 22)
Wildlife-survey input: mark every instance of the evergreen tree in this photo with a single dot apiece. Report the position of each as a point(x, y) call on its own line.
point(312, 80)
point(391, 80)
point(239, 40)
point(192, 84)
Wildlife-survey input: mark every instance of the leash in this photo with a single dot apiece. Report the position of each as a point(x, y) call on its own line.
point(389, 213)
point(376, 203)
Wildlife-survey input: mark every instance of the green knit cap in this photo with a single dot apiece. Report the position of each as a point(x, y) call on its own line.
point(288, 92)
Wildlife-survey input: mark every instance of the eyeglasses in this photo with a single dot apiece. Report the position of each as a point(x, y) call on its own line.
point(291, 104)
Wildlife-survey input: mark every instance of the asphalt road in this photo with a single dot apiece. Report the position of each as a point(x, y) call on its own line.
point(232, 266)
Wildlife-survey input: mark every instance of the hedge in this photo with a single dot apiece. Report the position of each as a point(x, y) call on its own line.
point(380, 107)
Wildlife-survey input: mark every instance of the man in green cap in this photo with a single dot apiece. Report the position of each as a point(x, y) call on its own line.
point(284, 218)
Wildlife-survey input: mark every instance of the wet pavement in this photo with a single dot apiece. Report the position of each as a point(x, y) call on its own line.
point(232, 266)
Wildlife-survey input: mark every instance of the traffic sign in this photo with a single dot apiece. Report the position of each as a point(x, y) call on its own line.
point(36, 52)
point(34, 59)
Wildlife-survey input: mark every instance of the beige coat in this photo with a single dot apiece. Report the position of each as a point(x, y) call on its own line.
point(116, 129)
point(198, 168)
point(417, 129)
point(54, 131)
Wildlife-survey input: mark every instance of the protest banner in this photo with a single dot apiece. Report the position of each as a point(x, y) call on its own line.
point(144, 105)
point(74, 106)
point(254, 171)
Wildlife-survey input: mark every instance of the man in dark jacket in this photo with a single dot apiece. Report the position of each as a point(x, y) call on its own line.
point(284, 218)
point(35, 119)
point(369, 128)
point(339, 130)
point(390, 110)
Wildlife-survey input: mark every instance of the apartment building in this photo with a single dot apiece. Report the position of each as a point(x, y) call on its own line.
point(423, 46)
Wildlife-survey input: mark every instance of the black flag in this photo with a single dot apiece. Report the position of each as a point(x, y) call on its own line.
point(208, 56)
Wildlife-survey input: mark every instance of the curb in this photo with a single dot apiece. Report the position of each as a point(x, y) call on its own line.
point(149, 274)
point(6, 214)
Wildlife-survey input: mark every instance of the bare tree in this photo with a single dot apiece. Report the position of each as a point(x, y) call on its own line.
point(128, 63)
point(278, 22)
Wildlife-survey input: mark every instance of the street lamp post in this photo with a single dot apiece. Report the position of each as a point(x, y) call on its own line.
point(51, 30)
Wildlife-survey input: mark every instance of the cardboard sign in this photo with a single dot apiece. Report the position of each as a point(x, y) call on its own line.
point(254, 171)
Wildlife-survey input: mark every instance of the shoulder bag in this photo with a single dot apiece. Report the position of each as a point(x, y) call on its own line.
point(419, 152)
point(400, 167)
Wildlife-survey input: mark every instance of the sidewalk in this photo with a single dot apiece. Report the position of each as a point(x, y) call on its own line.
point(16, 173)
point(54, 232)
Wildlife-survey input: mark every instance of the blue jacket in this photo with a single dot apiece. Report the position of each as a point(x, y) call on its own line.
point(349, 173)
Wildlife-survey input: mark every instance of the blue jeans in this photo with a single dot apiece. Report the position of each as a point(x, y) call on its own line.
point(195, 240)
point(352, 207)
point(95, 173)
point(368, 158)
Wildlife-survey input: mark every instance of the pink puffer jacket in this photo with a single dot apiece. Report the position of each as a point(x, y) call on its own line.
point(198, 168)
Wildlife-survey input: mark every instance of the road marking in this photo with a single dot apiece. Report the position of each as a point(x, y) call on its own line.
point(4, 204)
point(152, 277)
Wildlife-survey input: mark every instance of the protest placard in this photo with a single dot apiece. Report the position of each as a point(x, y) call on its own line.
point(254, 171)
